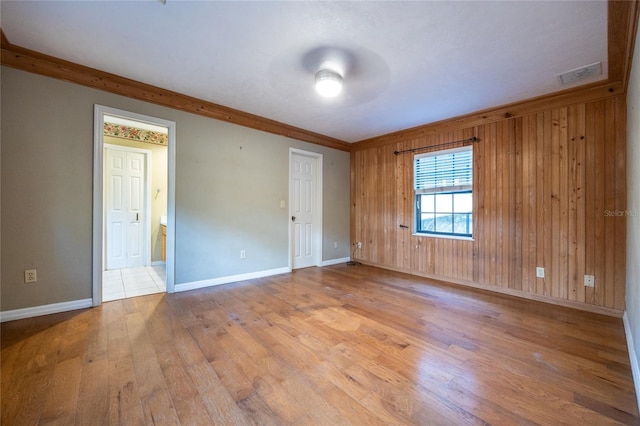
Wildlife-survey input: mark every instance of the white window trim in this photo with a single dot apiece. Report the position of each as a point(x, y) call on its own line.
point(447, 189)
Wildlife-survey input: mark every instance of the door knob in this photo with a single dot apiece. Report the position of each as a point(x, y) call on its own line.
point(293, 218)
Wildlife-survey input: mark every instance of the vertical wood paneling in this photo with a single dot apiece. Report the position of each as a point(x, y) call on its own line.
point(502, 204)
point(545, 174)
point(563, 217)
point(598, 146)
point(538, 217)
point(620, 203)
point(515, 225)
point(491, 218)
point(555, 222)
point(528, 197)
point(590, 198)
point(609, 202)
point(479, 181)
point(580, 188)
point(573, 183)
point(404, 197)
point(543, 183)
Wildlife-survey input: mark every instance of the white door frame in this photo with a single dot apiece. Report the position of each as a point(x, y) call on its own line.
point(98, 195)
point(147, 200)
point(317, 233)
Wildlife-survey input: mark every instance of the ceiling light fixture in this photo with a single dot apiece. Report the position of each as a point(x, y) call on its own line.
point(328, 83)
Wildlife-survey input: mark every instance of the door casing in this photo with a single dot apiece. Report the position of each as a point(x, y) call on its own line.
point(98, 195)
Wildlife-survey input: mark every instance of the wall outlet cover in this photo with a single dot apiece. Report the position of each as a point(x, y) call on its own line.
point(30, 276)
point(589, 281)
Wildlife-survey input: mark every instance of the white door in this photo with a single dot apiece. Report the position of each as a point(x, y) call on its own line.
point(303, 209)
point(124, 203)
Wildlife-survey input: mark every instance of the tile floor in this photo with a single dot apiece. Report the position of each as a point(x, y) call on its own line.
point(131, 282)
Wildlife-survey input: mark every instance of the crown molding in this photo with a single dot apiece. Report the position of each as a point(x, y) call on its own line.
point(3, 38)
point(572, 96)
point(49, 66)
point(622, 26)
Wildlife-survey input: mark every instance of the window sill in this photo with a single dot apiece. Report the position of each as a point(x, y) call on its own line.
point(449, 237)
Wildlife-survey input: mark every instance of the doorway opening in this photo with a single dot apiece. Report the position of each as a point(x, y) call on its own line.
point(134, 158)
point(133, 265)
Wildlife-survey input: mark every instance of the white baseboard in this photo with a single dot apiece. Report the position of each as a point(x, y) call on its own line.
point(158, 263)
point(335, 261)
point(37, 311)
point(633, 356)
point(230, 279)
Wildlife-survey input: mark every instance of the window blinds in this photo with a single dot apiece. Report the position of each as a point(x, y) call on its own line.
point(444, 171)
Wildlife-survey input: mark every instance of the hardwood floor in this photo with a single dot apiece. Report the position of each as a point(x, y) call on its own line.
point(331, 346)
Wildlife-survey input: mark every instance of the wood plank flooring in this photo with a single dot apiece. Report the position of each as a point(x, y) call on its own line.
point(329, 346)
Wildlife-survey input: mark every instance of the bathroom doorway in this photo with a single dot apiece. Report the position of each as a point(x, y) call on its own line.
point(135, 186)
point(133, 253)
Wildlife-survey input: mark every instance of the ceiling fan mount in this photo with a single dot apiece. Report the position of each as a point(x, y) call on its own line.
point(364, 73)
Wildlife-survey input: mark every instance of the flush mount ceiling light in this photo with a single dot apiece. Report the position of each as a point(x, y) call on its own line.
point(328, 83)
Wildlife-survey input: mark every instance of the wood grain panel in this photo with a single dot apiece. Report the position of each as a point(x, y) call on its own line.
point(549, 191)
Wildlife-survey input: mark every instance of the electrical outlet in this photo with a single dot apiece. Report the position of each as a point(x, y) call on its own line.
point(359, 244)
point(243, 254)
point(335, 244)
point(540, 272)
point(30, 276)
point(589, 281)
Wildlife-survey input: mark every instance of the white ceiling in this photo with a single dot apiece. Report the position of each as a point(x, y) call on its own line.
point(410, 63)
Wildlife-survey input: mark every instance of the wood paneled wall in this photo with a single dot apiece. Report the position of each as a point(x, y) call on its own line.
point(549, 191)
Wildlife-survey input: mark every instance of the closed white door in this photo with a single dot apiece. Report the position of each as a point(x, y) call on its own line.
point(124, 204)
point(303, 209)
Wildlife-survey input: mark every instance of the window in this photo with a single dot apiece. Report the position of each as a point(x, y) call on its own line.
point(443, 184)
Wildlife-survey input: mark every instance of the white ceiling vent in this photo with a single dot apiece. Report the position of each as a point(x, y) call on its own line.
point(580, 74)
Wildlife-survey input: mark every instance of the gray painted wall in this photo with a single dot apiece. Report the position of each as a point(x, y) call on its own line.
point(229, 183)
point(633, 201)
